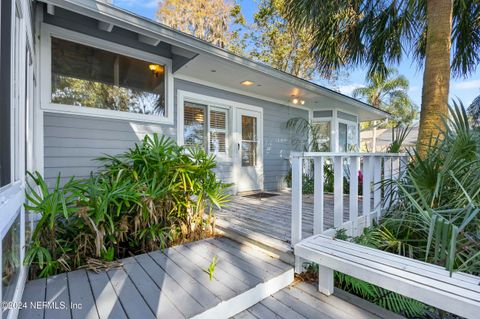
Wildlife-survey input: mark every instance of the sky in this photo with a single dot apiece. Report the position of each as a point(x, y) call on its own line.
point(465, 89)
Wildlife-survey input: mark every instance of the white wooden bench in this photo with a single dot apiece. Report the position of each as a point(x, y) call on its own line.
point(431, 284)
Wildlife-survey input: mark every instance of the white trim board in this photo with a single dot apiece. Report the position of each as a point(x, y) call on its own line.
point(47, 31)
point(243, 301)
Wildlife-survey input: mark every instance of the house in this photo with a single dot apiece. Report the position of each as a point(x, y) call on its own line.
point(383, 138)
point(81, 78)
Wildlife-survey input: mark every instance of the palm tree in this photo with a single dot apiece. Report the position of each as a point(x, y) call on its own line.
point(378, 33)
point(389, 92)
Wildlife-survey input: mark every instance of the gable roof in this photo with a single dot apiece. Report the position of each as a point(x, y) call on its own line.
point(119, 17)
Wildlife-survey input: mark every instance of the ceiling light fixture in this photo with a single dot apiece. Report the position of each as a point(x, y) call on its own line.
point(247, 83)
point(156, 69)
point(296, 100)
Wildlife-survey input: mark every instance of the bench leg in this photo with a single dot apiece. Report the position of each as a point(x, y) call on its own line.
point(325, 280)
point(298, 265)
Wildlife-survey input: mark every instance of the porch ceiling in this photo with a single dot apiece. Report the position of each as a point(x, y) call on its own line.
point(229, 75)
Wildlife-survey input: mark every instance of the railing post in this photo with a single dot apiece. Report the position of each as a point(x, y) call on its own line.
point(377, 188)
point(297, 166)
point(318, 177)
point(353, 213)
point(337, 191)
point(366, 189)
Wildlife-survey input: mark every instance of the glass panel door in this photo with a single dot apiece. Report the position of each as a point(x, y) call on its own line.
point(249, 141)
point(249, 172)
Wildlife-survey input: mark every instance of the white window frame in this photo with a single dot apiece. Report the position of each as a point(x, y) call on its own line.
point(49, 31)
point(212, 104)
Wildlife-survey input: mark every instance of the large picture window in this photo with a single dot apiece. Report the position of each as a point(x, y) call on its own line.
point(206, 126)
point(91, 77)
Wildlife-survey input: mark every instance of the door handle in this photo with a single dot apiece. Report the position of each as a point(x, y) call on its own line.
point(238, 146)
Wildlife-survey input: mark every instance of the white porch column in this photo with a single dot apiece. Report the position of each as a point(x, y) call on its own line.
point(334, 132)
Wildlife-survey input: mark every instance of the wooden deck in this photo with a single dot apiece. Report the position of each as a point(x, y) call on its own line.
point(172, 284)
point(247, 283)
point(270, 218)
point(302, 301)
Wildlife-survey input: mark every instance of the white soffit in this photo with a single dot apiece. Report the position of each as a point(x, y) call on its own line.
point(212, 71)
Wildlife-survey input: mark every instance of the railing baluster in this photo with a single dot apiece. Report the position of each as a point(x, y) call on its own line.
point(297, 168)
point(395, 176)
point(318, 176)
point(337, 191)
point(353, 212)
point(387, 178)
point(377, 189)
point(366, 189)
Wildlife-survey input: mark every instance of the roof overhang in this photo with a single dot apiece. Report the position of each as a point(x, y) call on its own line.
point(276, 85)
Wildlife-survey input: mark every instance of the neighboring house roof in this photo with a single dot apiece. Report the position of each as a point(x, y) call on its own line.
point(384, 138)
point(278, 84)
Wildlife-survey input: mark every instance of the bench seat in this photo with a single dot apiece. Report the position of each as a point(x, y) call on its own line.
point(431, 284)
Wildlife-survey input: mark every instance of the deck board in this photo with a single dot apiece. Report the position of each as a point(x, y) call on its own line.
point(81, 294)
point(131, 299)
point(159, 303)
point(57, 293)
point(34, 291)
point(181, 298)
point(106, 300)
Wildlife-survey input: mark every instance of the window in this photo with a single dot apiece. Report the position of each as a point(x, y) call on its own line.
point(206, 125)
point(194, 124)
point(85, 75)
point(347, 137)
point(218, 130)
point(322, 133)
point(249, 140)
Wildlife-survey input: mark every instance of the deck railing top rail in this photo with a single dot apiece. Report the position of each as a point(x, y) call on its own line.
point(345, 154)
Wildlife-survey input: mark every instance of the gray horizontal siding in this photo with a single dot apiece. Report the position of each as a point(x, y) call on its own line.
point(277, 140)
point(73, 142)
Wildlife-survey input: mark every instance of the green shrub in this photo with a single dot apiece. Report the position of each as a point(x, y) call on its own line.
point(154, 195)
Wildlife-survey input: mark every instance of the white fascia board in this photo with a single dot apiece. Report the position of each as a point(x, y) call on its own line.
point(122, 18)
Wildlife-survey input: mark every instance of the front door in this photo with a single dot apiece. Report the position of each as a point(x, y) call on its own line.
point(249, 156)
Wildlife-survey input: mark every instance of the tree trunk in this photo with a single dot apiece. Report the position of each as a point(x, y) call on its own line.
point(436, 77)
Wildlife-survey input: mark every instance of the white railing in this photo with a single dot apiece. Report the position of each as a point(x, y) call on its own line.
point(375, 168)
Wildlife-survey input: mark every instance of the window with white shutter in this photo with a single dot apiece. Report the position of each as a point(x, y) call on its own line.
point(206, 125)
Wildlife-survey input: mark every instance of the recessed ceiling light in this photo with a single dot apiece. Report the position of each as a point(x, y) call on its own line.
point(247, 83)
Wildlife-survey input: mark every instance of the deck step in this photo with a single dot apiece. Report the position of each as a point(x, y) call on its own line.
point(272, 246)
